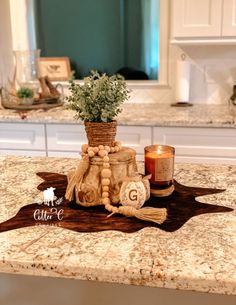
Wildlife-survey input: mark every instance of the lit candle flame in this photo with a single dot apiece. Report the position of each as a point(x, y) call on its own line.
point(158, 151)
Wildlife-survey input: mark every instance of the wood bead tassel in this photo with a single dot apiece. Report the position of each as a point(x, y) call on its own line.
point(103, 152)
point(157, 215)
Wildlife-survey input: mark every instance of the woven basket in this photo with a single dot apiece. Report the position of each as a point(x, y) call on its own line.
point(100, 133)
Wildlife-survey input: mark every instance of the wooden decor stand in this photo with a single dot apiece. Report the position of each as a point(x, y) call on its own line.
point(122, 166)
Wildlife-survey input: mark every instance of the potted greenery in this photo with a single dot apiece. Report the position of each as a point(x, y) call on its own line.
point(25, 95)
point(96, 102)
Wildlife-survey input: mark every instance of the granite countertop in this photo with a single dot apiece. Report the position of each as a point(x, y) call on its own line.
point(198, 115)
point(200, 256)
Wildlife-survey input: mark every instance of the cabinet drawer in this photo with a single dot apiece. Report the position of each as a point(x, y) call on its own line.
point(22, 136)
point(65, 137)
point(136, 137)
point(205, 142)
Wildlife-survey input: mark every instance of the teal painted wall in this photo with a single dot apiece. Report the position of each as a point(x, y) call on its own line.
point(62, 32)
point(105, 35)
point(133, 33)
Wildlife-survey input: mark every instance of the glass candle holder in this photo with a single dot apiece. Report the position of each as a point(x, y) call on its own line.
point(27, 68)
point(159, 162)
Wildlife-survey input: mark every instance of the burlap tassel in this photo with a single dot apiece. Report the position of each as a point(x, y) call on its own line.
point(148, 214)
point(75, 180)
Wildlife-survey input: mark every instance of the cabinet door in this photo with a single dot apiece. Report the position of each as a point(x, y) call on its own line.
point(65, 137)
point(229, 18)
point(210, 145)
point(22, 136)
point(196, 18)
point(136, 137)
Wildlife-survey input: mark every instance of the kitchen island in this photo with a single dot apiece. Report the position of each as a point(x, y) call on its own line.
point(200, 256)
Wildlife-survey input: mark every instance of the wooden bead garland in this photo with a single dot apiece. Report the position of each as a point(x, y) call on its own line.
point(103, 151)
point(105, 188)
point(106, 172)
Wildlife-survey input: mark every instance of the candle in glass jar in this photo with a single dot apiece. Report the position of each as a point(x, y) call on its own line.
point(159, 162)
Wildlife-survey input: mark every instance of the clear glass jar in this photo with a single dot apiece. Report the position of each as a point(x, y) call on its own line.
point(27, 68)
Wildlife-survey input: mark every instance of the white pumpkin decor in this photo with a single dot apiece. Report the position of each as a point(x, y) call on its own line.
point(135, 191)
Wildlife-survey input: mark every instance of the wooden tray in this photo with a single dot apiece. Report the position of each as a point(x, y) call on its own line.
point(181, 205)
point(38, 104)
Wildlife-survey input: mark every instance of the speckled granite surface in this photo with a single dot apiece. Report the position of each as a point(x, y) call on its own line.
point(138, 114)
point(200, 256)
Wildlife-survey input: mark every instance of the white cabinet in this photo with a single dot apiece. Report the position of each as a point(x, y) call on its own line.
point(65, 138)
point(204, 21)
point(22, 138)
point(62, 140)
point(193, 18)
point(199, 145)
point(136, 137)
point(209, 145)
point(229, 18)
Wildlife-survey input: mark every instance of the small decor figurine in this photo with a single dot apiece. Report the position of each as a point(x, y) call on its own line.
point(31, 97)
point(25, 95)
point(105, 164)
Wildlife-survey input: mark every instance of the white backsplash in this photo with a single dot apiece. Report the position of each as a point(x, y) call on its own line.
point(154, 95)
point(213, 74)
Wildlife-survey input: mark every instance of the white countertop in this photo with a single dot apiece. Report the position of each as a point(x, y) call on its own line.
point(140, 115)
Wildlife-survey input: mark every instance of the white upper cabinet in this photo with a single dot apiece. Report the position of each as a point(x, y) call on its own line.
point(229, 19)
point(201, 18)
point(204, 21)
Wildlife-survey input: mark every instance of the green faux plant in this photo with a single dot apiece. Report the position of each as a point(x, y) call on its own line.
point(25, 92)
point(99, 98)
